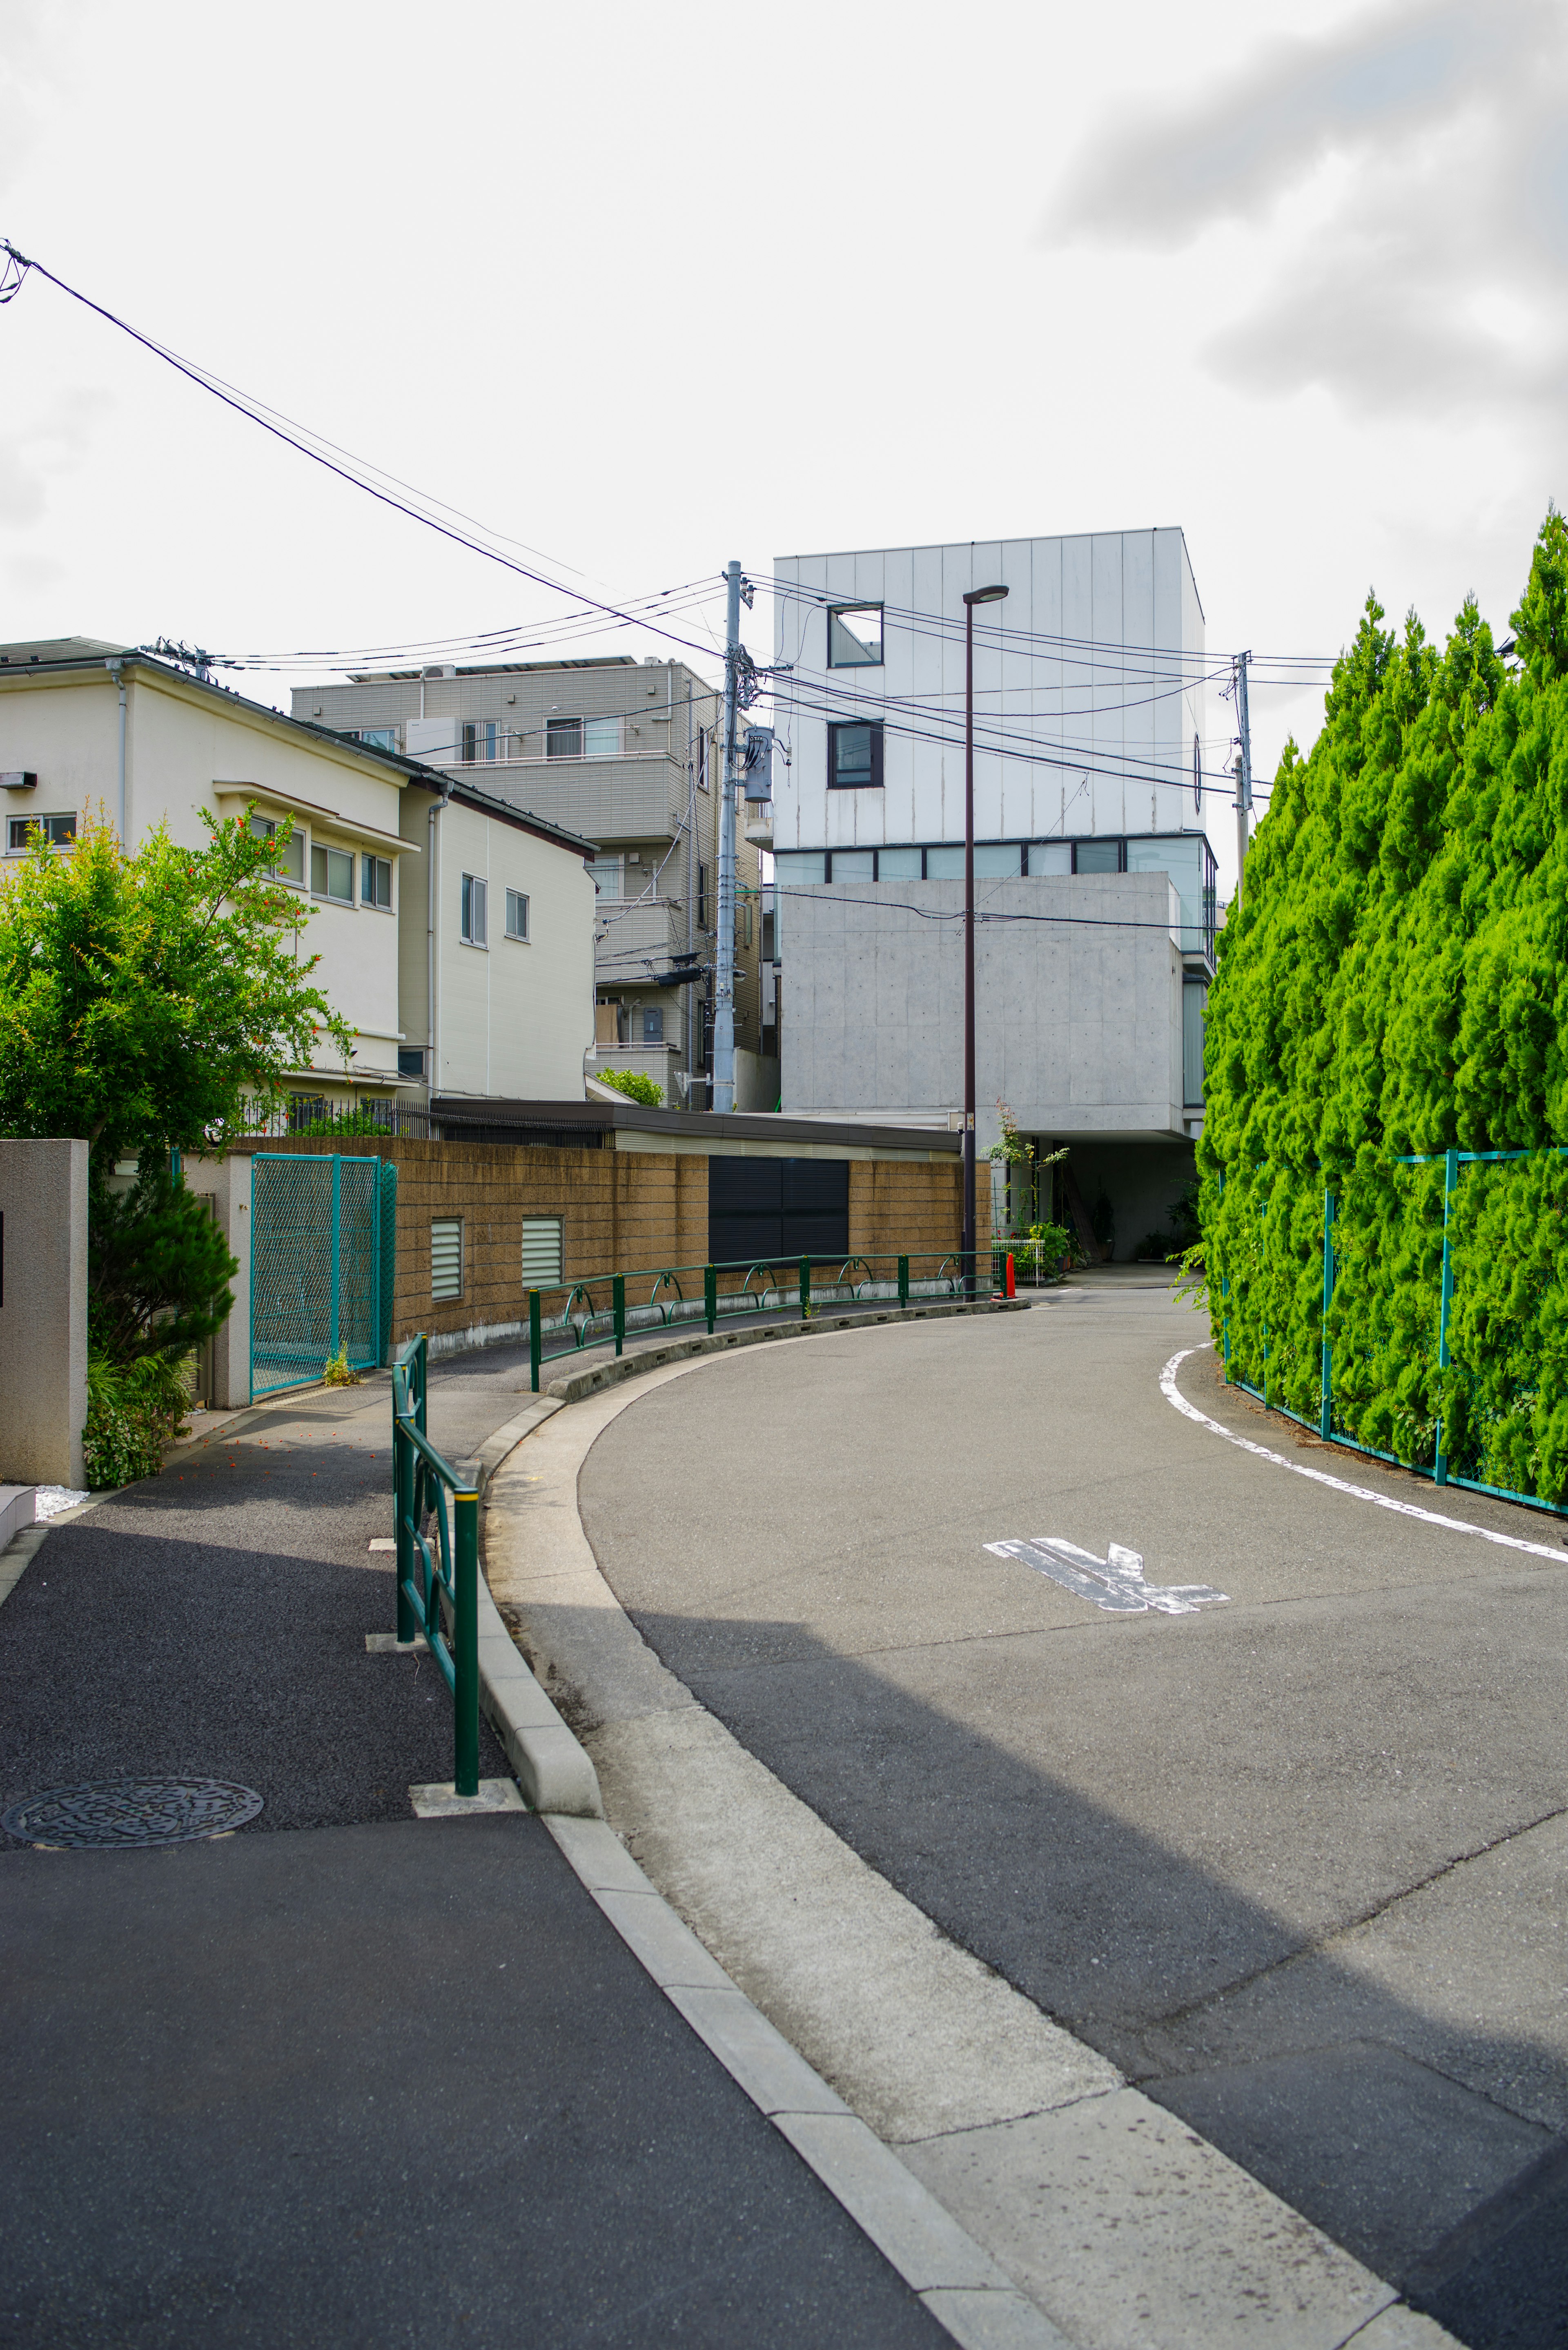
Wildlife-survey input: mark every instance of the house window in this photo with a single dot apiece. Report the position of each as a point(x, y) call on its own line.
point(56, 829)
point(1194, 1005)
point(855, 637)
point(475, 898)
point(482, 740)
point(410, 1060)
point(701, 896)
point(563, 738)
point(540, 1251)
point(332, 874)
point(653, 1024)
point(446, 1257)
point(703, 761)
point(606, 871)
point(1096, 857)
point(380, 738)
point(601, 738)
point(516, 914)
point(290, 866)
point(376, 881)
point(854, 758)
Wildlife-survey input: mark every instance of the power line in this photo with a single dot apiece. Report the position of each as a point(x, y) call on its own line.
point(354, 472)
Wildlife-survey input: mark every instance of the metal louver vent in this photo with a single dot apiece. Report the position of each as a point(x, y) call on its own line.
point(446, 1258)
point(540, 1251)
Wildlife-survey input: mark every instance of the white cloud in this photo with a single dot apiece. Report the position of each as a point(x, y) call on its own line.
point(1396, 196)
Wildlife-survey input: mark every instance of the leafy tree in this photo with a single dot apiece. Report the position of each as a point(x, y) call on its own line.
point(635, 1083)
point(1396, 983)
point(151, 1001)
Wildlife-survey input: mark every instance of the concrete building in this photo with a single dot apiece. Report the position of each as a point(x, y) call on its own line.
point(1095, 877)
point(628, 756)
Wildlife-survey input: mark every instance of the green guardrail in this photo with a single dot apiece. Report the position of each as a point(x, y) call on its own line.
point(595, 1306)
point(438, 1587)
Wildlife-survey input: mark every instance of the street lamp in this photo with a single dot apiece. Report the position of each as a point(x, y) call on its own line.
point(976, 596)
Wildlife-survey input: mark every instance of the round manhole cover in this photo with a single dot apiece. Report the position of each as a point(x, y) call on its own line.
point(111, 1812)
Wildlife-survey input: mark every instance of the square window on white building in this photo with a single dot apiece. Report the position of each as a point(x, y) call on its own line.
point(482, 740)
point(855, 637)
point(516, 914)
point(376, 882)
point(563, 738)
point(56, 830)
point(332, 874)
point(854, 758)
point(473, 928)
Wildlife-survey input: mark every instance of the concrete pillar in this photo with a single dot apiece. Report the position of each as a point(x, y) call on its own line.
point(43, 1310)
point(229, 1181)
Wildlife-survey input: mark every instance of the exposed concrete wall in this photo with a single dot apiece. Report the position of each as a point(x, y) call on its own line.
point(757, 1080)
point(1078, 1011)
point(43, 1311)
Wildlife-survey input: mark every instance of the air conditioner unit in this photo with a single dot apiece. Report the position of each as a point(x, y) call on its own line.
point(19, 779)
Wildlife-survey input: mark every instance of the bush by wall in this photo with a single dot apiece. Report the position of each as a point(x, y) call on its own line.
point(1396, 983)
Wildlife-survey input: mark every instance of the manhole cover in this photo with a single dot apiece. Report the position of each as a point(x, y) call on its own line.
point(111, 1812)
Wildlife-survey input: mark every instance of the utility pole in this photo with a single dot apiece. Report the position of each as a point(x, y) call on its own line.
point(724, 960)
point(1243, 772)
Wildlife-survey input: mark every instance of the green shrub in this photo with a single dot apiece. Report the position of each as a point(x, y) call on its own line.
point(635, 1083)
point(1042, 1253)
point(1395, 982)
point(133, 1412)
point(336, 1372)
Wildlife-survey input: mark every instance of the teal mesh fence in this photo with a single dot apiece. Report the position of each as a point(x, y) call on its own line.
point(316, 1266)
point(388, 1266)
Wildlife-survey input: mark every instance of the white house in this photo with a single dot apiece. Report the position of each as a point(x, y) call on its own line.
point(1093, 871)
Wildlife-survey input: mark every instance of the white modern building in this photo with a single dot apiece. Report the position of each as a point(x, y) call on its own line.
point(1094, 875)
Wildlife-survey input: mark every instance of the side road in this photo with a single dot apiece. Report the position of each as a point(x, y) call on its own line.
point(343, 2076)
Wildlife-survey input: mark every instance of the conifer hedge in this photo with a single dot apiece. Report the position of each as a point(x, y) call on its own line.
point(1397, 983)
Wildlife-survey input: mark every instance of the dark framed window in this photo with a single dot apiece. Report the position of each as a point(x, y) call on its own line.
point(376, 881)
point(1099, 856)
point(855, 636)
point(855, 758)
point(563, 738)
point(410, 1060)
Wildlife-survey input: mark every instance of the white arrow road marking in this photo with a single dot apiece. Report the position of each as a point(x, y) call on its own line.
point(1172, 1394)
point(1113, 1582)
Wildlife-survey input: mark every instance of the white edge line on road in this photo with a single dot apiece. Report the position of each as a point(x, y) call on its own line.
point(1172, 1394)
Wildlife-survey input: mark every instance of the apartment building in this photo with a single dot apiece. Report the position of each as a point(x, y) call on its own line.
point(624, 754)
point(1094, 875)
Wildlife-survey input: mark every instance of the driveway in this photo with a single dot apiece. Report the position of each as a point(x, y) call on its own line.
point(1295, 1859)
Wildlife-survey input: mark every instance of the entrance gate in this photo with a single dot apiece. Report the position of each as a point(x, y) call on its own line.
point(322, 1231)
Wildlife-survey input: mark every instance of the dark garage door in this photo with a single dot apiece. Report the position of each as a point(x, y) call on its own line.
point(761, 1211)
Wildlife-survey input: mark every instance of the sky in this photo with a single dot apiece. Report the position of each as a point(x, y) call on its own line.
point(642, 290)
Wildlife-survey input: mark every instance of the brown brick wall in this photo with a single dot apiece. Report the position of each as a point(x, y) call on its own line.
point(618, 1210)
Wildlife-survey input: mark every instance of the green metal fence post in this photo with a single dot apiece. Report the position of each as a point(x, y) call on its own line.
point(805, 1287)
point(533, 1347)
point(337, 1242)
point(903, 1281)
point(1450, 1185)
point(710, 1295)
point(1325, 1400)
point(466, 1642)
point(403, 1475)
point(618, 1309)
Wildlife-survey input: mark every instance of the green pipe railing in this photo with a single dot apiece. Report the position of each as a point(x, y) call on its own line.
point(754, 1285)
point(438, 1590)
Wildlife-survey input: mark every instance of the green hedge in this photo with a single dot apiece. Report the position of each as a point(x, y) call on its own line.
point(1396, 983)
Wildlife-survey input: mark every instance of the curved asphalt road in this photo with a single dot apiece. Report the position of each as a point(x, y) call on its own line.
point(1295, 1861)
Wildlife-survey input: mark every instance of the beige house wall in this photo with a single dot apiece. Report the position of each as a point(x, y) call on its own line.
point(43, 1311)
point(186, 754)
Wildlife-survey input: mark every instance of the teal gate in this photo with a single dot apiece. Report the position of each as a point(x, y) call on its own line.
point(316, 1277)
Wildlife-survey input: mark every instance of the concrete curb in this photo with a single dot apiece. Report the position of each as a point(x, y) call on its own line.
point(578, 1383)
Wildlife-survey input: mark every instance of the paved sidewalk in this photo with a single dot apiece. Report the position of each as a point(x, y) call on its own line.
point(345, 2077)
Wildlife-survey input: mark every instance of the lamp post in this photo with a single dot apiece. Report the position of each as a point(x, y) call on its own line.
point(976, 596)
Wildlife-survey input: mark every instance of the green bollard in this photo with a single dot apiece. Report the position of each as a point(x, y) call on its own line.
point(465, 1642)
point(403, 1505)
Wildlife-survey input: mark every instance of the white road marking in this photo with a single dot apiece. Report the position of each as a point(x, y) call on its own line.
point(1113, 1582)
point(1341, 1484)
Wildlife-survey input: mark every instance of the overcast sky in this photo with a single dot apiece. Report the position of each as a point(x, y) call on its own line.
point(644, 289)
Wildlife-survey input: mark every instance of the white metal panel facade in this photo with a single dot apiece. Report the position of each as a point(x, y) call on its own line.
point(1087, 692)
